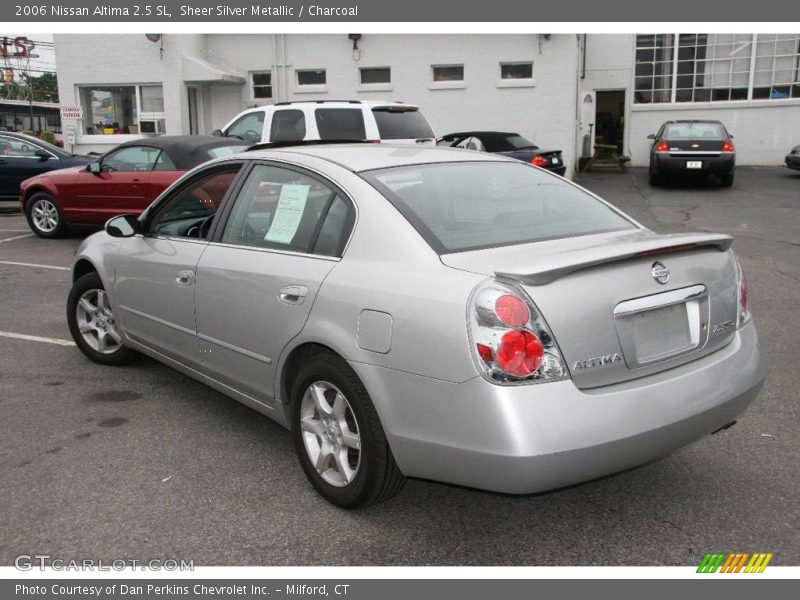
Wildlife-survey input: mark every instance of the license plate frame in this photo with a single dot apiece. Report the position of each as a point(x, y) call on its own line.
point(694, 164)
point(662, 326)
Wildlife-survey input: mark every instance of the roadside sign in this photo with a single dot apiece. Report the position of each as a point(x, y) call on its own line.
point(71, 112)
point(69, 134)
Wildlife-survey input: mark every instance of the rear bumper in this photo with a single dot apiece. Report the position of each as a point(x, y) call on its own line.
point(531, 438)
point(667, 164)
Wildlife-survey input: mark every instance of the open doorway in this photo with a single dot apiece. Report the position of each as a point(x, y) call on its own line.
point(609, 119)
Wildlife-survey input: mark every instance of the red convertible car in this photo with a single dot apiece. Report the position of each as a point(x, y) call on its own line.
point(125, 180)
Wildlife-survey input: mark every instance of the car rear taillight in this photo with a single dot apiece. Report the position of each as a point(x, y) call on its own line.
point(743, 314)
point(539, 161)
point(662, 147)
point(728, 148)
point(510, 340)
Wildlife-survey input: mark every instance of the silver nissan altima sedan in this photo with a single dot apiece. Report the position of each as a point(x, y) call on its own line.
point(426, 312)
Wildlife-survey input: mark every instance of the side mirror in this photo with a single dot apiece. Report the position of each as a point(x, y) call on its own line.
point(123, 226)
point(652, 136)
point(94, 167)
point(217, 133)
point(43, 154)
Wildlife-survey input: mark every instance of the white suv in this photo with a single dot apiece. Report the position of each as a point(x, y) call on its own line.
point(335, 120)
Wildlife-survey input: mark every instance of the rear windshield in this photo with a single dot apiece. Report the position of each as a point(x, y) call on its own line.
point(401, 124)
point(690, 131)
point(340, 124)
point(507, 143)
point(471, 205)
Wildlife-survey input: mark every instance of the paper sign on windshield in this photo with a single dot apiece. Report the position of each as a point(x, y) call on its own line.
point(291, 204)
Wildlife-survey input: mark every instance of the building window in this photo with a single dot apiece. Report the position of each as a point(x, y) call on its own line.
point(777, 66)
point(716, 67)
point(443, 73)
point(713, 67)
point(653, 71)
point(372, 75)
point(261, 85)
point(129, 109)
point(517, 70)
point(311, 77)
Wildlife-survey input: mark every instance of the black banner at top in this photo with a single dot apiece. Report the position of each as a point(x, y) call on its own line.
point(442, 11)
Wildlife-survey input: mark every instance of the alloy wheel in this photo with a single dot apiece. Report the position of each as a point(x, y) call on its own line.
point(330, 433)
point(45, 215)
point(96, 322)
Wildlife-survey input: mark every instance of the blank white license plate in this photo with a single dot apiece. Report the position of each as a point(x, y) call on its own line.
point(661, 332)
point(694, 164)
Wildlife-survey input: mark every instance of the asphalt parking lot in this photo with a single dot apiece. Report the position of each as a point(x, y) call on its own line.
point(141, 462)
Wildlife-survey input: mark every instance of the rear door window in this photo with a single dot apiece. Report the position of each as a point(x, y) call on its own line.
point(340, 124)
point(288, 125)
point(282, 209)
point(400, 124)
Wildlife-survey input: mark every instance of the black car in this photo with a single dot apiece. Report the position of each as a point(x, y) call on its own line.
point(692, 147)
point(793, 158)
point(508, 144)
point(23, 156)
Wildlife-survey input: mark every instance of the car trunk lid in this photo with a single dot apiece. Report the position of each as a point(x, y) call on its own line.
point(695, 147)
point(602, 297)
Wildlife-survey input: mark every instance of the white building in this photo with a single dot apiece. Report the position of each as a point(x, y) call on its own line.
point(553, 89)
point(749, 82)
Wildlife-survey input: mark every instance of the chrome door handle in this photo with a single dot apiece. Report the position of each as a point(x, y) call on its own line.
point(185, 278)
point(293, 294)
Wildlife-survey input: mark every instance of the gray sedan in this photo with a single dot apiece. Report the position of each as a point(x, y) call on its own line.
point(426, 312)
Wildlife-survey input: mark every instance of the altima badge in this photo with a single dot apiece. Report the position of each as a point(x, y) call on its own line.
point(597, 361)
point(660, 273)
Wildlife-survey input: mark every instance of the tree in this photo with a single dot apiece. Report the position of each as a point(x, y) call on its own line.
point(45, 88)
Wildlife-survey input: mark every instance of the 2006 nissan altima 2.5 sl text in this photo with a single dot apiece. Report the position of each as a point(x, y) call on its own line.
point(426, 312)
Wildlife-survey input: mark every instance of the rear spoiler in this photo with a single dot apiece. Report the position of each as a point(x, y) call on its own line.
point(558, 265)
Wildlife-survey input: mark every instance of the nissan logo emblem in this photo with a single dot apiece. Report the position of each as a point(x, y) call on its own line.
point(660, 273)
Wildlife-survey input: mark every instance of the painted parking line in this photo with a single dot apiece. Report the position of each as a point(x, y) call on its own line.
point(38, 266)
point(13, 230)
point(36, 338)
point(16, 237)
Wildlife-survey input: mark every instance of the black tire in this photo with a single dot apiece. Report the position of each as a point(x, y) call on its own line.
point(727, 180)
point(377, 476)
point(119, 356)
point(40, 199)
point(655, 180)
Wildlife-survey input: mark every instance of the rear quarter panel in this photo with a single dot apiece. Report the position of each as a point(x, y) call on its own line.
point(388, 268)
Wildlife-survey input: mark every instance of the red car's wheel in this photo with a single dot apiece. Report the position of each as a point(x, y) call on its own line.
point(44, 217)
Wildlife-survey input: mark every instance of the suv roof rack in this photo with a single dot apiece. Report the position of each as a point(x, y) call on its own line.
point(316, 102)
point(287, 144)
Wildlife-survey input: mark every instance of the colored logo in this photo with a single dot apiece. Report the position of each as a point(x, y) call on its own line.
point(736, 562)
